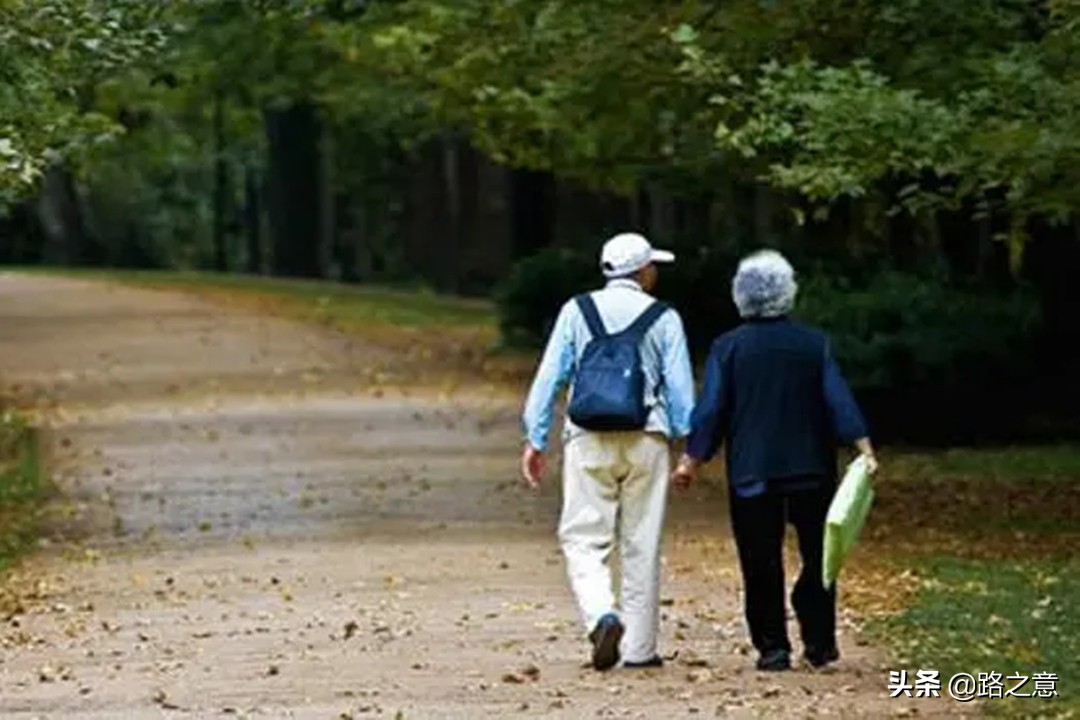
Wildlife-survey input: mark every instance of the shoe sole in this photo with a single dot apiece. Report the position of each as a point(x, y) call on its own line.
point(819, 662)
point(606, 647)
point(777, 665)
point(774, 668)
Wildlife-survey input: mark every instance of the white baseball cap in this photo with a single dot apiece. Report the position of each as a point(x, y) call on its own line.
point(627, 253)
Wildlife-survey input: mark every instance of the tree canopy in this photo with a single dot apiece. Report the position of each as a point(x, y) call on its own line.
point(921, 104)
point(975, 99)
point(53, 53)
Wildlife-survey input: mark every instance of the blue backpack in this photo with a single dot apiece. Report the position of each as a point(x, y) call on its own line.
point(609, 386)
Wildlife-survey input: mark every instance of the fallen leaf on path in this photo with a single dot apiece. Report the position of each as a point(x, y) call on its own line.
point(699, 676)
point(162, 699)
point(693, 660)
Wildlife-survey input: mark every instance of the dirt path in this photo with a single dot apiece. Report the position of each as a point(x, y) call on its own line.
point(250, 533)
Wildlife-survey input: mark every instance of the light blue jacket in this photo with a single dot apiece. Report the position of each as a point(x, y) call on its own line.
point(665, 358)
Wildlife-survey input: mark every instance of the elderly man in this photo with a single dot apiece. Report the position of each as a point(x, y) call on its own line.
point(774, 393)
point(626, 357)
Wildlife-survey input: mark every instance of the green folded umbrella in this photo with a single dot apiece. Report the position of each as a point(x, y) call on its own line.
point(847, 515)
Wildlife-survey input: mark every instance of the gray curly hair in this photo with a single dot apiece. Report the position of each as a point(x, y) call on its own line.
point(764, 285)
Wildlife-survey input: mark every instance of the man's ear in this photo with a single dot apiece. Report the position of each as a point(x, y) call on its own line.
point(647, 276)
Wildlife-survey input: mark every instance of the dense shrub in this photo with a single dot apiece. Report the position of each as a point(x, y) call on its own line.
point(920, 354)
point(902, 331)
point(931, 363)
point(529, 300)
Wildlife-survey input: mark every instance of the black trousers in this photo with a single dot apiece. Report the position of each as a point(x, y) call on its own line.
point(759, 523)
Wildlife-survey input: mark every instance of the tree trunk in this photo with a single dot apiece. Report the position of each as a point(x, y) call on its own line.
point(448, 249)
point(984, 252)
point(492, 249)
point(60, 215)
point(637, 207)
point(327, 201)
point(763, 204)
point(425, 219)
point(221, 187)
point(295, 190)
point(661, 215)
point(253, 220)
point(345, 244)
point(723, 218)
point(533, 206)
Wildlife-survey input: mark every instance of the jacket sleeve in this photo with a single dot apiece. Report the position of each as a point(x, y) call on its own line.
point(552, 376)
point(708, 424)
point(847, 419)
point(678, 375)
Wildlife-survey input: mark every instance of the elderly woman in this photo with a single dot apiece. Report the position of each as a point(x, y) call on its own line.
point(774, 393)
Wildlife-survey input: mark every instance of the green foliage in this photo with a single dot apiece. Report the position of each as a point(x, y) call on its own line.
point(889, 330)
point(803, 113)
point(949, 119)
point(528, 302)
point(52, 54)
point(906, 342)
point(698, 285)
point(586, 90)
point(21, 486)
point(828, 100)
point(903, 332)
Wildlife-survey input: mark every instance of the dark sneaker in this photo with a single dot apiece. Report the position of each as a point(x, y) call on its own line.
point(605, 640)
point(774, 661)
point(820, 658)
point(654, 662)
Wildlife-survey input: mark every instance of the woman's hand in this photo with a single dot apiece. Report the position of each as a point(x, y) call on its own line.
point(685, 473)
point(866, 449)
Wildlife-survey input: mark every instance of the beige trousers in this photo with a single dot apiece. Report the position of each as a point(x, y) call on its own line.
point(614, 494)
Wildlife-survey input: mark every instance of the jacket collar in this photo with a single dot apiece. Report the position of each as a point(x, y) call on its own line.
point(624, 283)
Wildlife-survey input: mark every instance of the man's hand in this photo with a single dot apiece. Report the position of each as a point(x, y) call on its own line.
point(685, 473)
point(533, 466)
point(871, 463)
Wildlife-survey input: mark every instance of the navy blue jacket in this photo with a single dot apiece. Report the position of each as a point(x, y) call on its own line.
point(774, 392)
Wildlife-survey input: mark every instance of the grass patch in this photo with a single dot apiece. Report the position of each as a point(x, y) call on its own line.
point(22, 489)
point(437, 339)
point(1022, 463)
point(992, 616)
point(981, 543)
point(356, 306)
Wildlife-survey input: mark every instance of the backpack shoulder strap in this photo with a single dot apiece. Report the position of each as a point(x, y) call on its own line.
point(592, 317)
point(645, 320)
